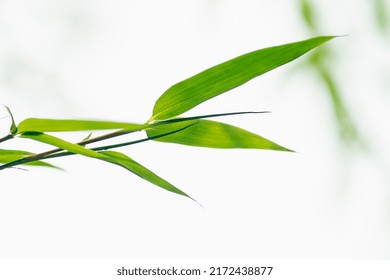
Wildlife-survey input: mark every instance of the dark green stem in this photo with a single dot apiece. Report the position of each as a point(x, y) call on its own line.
point(43, 155)
point(60, 152)
point(113, 146)
point(57, 152)
point(5, 138)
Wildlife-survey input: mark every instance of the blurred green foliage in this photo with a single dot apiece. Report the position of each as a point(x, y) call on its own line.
point(322, 62)
point(382, 16)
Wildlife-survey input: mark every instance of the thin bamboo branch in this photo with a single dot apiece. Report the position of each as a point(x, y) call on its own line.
point(55, 153)
point(5, 138)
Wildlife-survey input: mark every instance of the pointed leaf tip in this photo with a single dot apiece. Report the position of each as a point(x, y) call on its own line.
point(141, 171)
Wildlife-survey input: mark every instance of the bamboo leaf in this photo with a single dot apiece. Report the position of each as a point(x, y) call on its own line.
point(62, 144)
point(141, 171)
point(382, 15)
point(214, 81)
point(12, 155)
point(111, 157)
point(212, 134)
point(50, 125)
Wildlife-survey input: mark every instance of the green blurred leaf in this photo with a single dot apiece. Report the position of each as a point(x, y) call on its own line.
point(62, 144)
point(111, 157)
point(12, 155)
point(348, 129)
point(50, 125)
point(382, 15)
point(307, 12)
point(214, 81)
point(212, 134)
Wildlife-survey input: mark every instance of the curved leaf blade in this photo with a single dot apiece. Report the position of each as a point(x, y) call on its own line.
point(108, 156)
point(52, 125)
point(216, 80)
point(212, 134)
point(141, 171)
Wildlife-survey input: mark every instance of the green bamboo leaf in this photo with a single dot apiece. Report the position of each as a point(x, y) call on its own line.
point(141, 171)
point(62, 144)
point(50, 125)
point(12, 155)
point(214, 81)
point(111, 157)
point(212, 134)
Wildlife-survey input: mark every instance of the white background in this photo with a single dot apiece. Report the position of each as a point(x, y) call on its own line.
point(112, 59)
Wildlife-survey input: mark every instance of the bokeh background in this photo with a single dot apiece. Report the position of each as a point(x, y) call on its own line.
point(112, 59)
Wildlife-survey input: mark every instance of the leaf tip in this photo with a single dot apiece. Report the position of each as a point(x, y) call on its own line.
point(197, 202)
point(288, 150)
